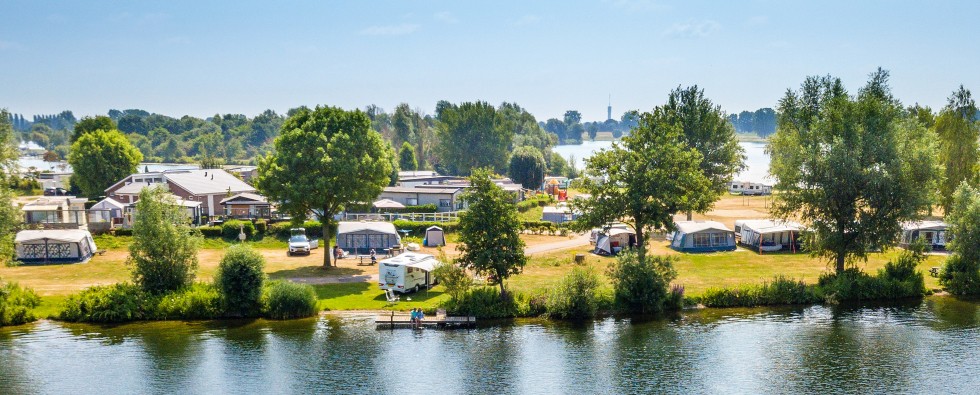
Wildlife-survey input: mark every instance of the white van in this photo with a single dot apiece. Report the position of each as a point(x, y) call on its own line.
point(408, 272)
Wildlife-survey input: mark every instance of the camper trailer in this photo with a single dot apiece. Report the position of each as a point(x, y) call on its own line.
point(749, 188)
point(408, 272)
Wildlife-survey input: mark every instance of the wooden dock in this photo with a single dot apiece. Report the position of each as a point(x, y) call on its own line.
point(403, 320)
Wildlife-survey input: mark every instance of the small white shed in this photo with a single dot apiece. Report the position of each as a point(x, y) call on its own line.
point(54, 246)
point(434, 237)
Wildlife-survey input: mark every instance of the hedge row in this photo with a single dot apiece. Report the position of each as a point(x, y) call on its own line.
point(418, 228)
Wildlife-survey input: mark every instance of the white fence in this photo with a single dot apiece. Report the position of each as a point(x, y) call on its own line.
point(451, 216)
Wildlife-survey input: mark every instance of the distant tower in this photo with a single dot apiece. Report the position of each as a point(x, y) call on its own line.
point(609, 109)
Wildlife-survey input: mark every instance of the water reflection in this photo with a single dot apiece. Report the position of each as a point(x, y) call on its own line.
point(927, 346)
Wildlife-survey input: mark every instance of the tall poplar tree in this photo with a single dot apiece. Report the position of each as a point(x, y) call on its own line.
point(958, 149)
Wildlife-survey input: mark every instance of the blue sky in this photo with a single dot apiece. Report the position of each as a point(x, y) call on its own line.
point(201, 58)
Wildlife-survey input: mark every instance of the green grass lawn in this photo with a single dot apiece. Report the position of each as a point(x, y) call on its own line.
point(533, 214)
point(367, 296)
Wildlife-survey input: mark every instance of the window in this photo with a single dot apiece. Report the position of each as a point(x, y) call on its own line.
point(411, 201)
point(701, 240)
point(445, 203)
point(719, 239)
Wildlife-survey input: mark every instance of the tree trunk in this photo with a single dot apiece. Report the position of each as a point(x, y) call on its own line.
point(327, 252)
point(840, 262)
point(690, 216)
point(503, 292)
point(641, 245)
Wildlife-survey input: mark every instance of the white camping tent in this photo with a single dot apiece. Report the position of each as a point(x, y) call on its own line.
point(362, 237)
point(702, 236)
point(932, 232)
point(107, 210)
point(614, 240)
point(768, 235)
point(434, 237)
point(54, 246)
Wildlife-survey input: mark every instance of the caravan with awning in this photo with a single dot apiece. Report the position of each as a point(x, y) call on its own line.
point(408, 272)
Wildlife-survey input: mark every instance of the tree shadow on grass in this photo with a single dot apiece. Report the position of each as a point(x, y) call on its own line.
point(316, 271)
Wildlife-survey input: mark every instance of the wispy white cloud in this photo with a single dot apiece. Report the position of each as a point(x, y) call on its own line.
point(527, 20)
point(446, 17)
point(391, 30)
point(692, 29)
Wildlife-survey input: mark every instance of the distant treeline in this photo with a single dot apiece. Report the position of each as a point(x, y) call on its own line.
point(761, 122)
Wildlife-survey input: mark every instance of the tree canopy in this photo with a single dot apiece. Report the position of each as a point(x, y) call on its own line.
point(100, 159)
point(527, 167)
point(406, 157)
point(91, 124)
point(325, 159)
point(961, 272)
point(851, 168)
point(9, 215)
point(489, 231)
point(706, 130)
point(163, 254)
point(472, 135)
point(643, 181)
point(959, 152)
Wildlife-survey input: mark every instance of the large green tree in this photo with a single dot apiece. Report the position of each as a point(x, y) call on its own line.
point(9, 216)
point(958, 150)
point(707, 130)
point(163, 254)
point(323, 160)
point(489, 231)
point(470, 136)
point(100, 159)
point(852, 168)
point(527, 167)
point(406, 157)
point(91, 124)
point(643, 180)
point(961, 271)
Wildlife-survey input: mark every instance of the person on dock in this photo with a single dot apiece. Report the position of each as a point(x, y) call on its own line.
point(415, 318)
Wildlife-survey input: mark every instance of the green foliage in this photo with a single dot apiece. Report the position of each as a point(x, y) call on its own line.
point(261, 226)
point(958, 136)
point(644, 181)
point(472, 136)
point(897, 280)
point(540, 200)
point(240, 276)
point(284, 300)
point(527, 167)
point(489, 232)
point(17, 304)
point(489, 302)
point(418, 228)
point(100, 159)
point(961, 272)
point(406, 157)
point(455, 279)
point(91, 124)
point(211, 231)
point(640, 284)
point(10, 218)
point(231, 229)
point(852, 168)
point(163, 253)
point(779, 291)
point(314, 229)
point(706, 130)
point(324, 159)
point(108, 303)
point(197, 302)
point(576, 296)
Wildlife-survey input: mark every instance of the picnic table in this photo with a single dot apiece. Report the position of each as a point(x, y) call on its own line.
point(364, 260)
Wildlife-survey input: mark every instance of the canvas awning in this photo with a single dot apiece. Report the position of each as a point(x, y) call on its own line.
point(387, 203)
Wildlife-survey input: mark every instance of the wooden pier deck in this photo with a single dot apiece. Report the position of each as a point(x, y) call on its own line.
point(403, 320)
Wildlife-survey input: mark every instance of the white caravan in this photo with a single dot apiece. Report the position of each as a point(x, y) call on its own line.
point(408, 272)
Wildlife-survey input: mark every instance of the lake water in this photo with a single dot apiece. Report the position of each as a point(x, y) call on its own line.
point(923, 347)
point(62, 166)
point(756, 159)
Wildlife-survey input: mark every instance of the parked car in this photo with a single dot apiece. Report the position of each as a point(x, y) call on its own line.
point(299, 244)
point(55, 192)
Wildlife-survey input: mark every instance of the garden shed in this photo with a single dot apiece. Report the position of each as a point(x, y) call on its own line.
point(434, 237)
point(54, 246)
point(702, 236)
point(362, 237)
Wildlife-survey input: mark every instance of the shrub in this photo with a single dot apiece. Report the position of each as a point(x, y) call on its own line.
point(961, 272)
point(231, 229)
point(17, 304)
point(107, 303)
point(164, 248)
point(454, 278)
point(418, 228)
point(240, 278)
point(210, 231)
point(313, 229)
point(261, 227)
point(641, 287)
point(780, 290)
point(854, 285)
point(198, 302)
point(486, 302)
point(576, 296)
point(122, 232)
point(284, 300)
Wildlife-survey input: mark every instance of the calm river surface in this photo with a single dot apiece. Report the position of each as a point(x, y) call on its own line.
point(927, 347)
point(756, 160)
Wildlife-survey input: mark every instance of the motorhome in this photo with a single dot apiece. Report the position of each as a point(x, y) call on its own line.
point(749, 188)
point(408, 272)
